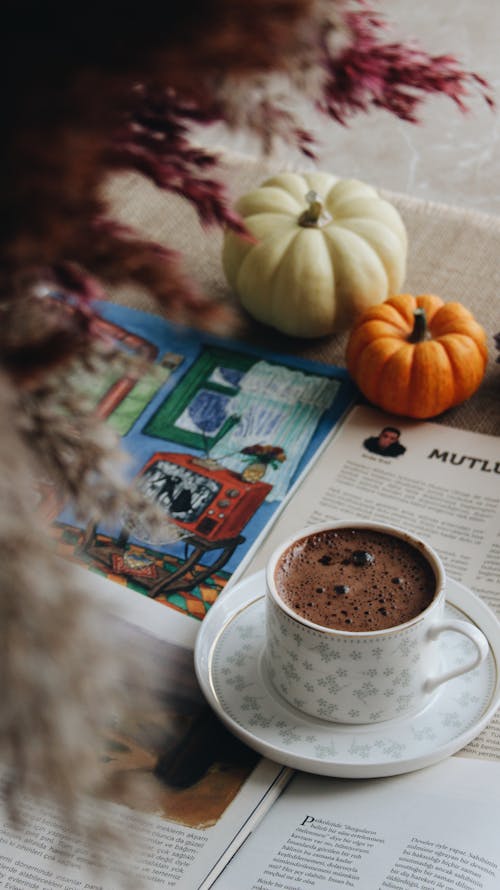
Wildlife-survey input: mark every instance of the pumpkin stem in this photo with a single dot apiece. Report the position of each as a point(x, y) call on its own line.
point(315, 216)
point(419, 326)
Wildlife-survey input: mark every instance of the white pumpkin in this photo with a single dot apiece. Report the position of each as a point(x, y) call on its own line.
point(325, 250)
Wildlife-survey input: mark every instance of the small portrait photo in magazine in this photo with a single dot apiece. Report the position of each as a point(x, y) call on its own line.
point(386, 443)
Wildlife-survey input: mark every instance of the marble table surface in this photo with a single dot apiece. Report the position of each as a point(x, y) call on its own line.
point(450, 157)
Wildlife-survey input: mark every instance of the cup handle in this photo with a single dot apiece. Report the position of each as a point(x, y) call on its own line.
point(468, 630)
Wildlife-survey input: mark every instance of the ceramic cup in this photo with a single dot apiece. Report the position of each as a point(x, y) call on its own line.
point(363, 677)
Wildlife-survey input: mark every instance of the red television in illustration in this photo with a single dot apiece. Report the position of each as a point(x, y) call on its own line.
point(201, 496)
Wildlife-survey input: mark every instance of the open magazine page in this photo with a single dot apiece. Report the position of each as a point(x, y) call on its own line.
point(159, 852)
point(218, 435)
point(431, 828)
point(434, 829)
point(440, 482)
point(201, 793)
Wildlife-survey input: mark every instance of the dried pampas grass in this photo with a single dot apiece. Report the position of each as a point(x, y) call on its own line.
point(65, 674)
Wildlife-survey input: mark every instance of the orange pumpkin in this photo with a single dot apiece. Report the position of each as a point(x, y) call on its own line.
point(417, 356)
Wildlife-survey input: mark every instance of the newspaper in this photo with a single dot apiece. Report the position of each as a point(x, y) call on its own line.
point(436, 827)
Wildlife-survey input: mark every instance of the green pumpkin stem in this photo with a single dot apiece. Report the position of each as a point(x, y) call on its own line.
point(315, 216)
point(419, 327)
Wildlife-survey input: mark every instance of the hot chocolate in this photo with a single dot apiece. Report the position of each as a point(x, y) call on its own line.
point(355, 579)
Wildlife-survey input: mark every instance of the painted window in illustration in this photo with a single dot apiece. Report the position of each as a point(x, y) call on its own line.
point(200, 409)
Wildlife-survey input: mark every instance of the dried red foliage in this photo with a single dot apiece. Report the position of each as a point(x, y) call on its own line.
point(398, 77)
point(85, 93)
point(72, 112)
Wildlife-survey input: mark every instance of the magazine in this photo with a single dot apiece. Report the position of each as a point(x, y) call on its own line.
point(200, 794)
point(434, 829)
point(442, 483)
point(430, 828)
point(219, 435)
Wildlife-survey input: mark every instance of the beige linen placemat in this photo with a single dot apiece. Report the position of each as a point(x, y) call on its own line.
point(452, 252)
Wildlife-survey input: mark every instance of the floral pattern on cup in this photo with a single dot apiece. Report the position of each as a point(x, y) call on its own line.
point(242, 685)
point(348, 683)
point(360, 677)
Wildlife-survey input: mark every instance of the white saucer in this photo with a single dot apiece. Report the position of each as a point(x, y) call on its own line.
point(229, 667)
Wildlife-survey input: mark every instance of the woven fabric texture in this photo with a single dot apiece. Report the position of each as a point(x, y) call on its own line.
point(452, 252)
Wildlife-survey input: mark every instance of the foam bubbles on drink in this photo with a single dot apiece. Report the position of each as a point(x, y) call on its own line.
point(355, 579)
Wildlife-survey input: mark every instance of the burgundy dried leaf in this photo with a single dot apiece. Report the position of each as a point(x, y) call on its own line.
point(154, 142)
point(393, 76)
